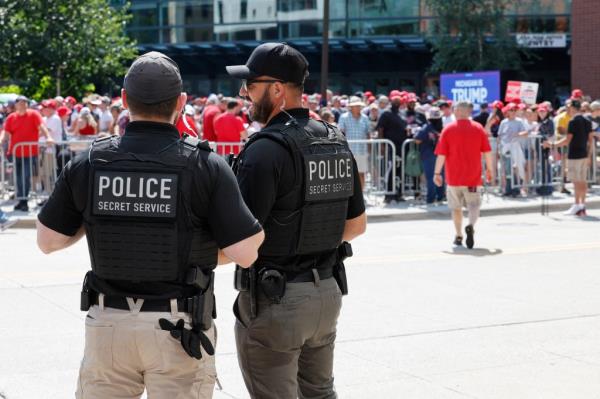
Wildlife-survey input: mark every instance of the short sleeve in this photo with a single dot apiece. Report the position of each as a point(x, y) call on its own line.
point(229, 218)
point(38, 118)
point(442, 146)
point(260, 175)
point(485, 142)
point(356, 203)
point(60, 213)
point(381, 123)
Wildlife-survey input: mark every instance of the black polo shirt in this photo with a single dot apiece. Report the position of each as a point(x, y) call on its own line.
point(216, 201)
point(266, 178)
point(393, 127)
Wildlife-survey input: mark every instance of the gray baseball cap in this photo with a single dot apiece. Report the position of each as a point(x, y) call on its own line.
point(153, 78)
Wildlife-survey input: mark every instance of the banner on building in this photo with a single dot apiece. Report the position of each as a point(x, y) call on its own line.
point(476, 87)
point(542, 40)
point(525, 92)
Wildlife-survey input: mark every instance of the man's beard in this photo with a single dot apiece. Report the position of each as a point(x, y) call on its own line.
point(261, 110)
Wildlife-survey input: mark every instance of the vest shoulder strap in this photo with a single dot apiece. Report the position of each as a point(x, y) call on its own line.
point(196, 143)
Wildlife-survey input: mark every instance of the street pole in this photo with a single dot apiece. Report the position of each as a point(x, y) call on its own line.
point(325, 51)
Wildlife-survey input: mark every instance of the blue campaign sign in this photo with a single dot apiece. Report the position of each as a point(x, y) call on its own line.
point(476, 87)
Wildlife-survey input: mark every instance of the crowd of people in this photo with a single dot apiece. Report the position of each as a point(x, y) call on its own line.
point(396, 116)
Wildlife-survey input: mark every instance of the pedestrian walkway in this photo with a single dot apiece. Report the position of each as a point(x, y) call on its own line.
point(493, 204)
point(377, 211)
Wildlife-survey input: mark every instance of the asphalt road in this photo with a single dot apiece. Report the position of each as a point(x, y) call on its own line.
point(517, 317)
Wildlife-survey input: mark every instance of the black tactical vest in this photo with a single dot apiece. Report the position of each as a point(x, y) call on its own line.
point(324, 175)
point(138, 217)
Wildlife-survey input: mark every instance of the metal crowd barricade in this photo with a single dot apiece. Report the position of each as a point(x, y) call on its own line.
point(381, 165)
point(537, 166)
point(4, 185)
point(37, 165)
point(380, 155)
point(226, 148)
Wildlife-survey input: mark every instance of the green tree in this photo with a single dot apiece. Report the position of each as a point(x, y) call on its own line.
point(472, 35)
point(71, 43)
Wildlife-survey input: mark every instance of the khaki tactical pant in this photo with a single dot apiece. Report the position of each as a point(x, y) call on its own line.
point(125, 351)
point(287, 350)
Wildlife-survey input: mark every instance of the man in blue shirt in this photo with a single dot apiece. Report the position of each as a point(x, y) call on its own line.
point(427, 139)
point(355, 125)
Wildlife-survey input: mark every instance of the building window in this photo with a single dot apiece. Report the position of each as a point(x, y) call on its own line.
point(244, 9)
point(296, 5)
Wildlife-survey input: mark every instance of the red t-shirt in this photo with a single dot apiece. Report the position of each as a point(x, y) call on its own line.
point(208, 118)
point(182, 128)
point(24, 128)
point(463, 142)
point(228, 129)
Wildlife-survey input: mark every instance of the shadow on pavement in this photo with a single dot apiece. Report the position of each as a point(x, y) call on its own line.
point(478, 252)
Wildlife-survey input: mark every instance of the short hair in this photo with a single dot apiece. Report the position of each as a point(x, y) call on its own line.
point(163, 109)
point(231, 104)
point(576, 104)
point(463, 104)
point(595, 106)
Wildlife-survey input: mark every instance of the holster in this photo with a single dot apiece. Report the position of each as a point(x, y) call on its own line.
point(202, 307)
point(246, 280)
point(87, 296)
point(344, 252)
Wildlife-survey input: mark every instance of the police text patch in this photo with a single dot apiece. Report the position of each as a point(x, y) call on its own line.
point(142, 194)
point(328, 176)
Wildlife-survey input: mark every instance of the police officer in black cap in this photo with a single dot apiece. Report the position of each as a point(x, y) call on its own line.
point(300, 180)
point(155, 210)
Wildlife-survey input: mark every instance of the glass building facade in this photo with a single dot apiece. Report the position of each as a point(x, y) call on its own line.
point(388, 36)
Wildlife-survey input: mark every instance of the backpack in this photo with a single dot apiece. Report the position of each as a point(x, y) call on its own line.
point(413, 166)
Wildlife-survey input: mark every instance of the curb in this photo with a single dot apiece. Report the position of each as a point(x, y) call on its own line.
point(28, 222)
point(445, 214)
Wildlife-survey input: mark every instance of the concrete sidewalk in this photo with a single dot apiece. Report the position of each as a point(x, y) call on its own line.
point(377, 211)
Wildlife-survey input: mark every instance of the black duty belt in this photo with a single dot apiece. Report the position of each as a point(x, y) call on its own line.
point(308, 276)
point(149, 305)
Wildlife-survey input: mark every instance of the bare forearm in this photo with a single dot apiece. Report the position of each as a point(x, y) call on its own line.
point(51, 241)
point(439, 164)
point(223, 259)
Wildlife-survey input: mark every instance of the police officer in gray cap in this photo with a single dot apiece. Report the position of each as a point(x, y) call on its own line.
point(159, 214)
point(300, 180)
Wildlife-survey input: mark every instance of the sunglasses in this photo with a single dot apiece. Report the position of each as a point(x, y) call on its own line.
point(248, 82)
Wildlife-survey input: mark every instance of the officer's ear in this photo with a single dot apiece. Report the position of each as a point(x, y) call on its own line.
point(181, 102)
point(279, 90)
point(124, 99)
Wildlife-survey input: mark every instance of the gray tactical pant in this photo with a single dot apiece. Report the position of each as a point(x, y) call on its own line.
point(287, 350)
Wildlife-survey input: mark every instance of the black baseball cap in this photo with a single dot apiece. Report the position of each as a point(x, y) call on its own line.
point(153, 78)
point(273, 59)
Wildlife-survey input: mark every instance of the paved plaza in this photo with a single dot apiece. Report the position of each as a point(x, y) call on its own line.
point(517, 317)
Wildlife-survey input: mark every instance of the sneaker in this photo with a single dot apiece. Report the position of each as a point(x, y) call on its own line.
point(6, 223)
point(22, 206)
point(565, 191)
point(573, 210)
point(458, 241)
point(470, 236)
point(581, 212)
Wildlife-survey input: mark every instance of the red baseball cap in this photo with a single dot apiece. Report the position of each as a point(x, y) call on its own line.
point(411, 97)
point(368, 94)
point(371, 99)
point(49, 104)
point(577, 93)
point(522, 106)
point(71, 100)
point(394, 93)
point(78, 107)
point(498, 104)
point(62, 111)
point(509, 107)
